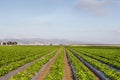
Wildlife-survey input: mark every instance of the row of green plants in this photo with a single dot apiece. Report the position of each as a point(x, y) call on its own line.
point(12, 54)
point(110, 54)
point(110, 73)
point(16, 64)
point(57, 69)
point(15, 51)
point(82, 72)
point(113, 63)
point(32, 70)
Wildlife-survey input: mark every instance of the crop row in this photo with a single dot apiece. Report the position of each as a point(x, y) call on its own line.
point(101, 59)
point(19, 51)
point(112, 74)
point(15, 64)
point(33, 69)
point(82, 72)
point(57, 69)
point(110, 54)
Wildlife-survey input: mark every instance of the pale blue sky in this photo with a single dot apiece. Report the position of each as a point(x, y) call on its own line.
point(81, 20)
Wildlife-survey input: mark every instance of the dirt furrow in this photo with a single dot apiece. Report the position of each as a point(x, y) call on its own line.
point(46, 68)
point(67, 69)
point(21, 69)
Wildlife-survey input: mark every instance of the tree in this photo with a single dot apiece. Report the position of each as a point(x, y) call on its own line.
point(15, 43)
point(4, 43)
point(11, 43)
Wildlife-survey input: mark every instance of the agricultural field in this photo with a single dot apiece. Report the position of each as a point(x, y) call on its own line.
point(59, 63)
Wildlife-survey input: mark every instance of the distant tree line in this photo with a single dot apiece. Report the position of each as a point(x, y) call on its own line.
point(8, 43)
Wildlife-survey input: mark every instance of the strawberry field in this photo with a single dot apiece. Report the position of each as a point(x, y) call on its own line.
point(48, 63)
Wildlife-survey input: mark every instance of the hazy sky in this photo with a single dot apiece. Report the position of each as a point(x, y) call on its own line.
point(83, 20)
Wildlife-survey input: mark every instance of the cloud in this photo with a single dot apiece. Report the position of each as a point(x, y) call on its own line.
point(98, 7)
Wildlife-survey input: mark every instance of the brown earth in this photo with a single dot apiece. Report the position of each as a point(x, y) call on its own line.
point(97, 78)
point(47, 68)
point(67, 69)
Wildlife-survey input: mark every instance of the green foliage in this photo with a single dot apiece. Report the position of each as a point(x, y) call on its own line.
point(82, 72)
point(57, 70)
point(12, 57)
point(95, 56)
point(33, 69)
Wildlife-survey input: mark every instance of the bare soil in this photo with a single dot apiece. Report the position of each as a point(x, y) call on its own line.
point(97, 78)
point(67, 69)
point(47, 67)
